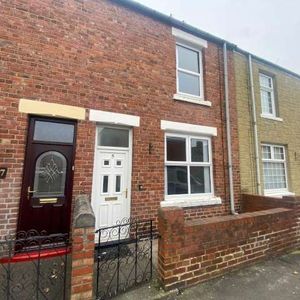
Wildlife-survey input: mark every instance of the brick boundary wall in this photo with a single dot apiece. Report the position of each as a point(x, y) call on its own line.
point(83, 239)
point(190, 252)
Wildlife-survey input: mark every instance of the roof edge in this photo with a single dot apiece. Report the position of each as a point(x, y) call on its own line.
point(267, 62)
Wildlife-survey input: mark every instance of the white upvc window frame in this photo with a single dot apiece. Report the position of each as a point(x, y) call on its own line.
point(280, 191)
point(199, 75)
point(188, 163)
point(264, 88)
point(197, 44)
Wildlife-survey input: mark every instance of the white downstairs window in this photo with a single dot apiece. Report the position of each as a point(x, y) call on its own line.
point(267, 96)
point(274, 168)
point(188, 166)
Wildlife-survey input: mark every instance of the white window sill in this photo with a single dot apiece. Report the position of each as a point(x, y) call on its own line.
point(188, 202)
point(271, 118)
point(191, 99)
point(278, 193)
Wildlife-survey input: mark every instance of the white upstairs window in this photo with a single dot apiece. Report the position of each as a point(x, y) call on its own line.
point(267, 96)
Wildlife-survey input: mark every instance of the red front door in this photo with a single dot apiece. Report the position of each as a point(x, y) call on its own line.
point(48, 176)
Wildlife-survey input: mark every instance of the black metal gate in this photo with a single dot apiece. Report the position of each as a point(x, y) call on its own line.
point(124, 257)
point(34, 266)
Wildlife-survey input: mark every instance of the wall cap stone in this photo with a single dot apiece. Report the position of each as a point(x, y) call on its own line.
point(83, 212)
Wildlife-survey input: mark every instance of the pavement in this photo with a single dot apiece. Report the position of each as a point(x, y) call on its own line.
point(276, 279)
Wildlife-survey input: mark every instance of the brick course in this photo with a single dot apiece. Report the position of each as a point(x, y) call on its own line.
point(96, 54)
point(190, 252)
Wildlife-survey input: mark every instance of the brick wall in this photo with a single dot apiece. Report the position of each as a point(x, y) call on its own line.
point(190, 252)
point(99, 55)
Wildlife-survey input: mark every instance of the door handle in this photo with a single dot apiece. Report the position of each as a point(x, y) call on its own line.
point(126, 193)
point(29, 192)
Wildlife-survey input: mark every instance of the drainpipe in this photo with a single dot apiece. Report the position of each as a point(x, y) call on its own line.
point(228, 131)
point(255, 134)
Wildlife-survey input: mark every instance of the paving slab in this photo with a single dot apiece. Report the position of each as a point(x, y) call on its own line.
point(276, 279)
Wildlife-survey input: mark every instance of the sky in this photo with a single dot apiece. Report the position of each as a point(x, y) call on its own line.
point(267, 28)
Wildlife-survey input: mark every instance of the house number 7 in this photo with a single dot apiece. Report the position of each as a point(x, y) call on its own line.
point(3, 172)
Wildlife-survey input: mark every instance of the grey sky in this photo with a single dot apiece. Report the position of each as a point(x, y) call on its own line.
point(267, 28)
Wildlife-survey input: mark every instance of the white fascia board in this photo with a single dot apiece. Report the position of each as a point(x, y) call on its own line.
point(114, 118)
point(188, 128)
point(187, 37)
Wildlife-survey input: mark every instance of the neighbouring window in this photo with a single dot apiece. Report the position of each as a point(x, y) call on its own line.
point(274, 168)
point(267, 95)
point(189, 71)
point(188, 165)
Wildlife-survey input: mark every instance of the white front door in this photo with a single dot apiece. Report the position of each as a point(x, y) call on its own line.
point(111, 181)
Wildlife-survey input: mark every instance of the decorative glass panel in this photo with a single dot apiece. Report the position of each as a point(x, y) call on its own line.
point(188, 83)
point(188, 59)
point(200, 180)
point(119, 163)
point(50, 175)
point(113, 137)
point(53, 132)
point(106, 162)
point(199, 149)
point(176, 149)
point(177, 180)
point(105, 184)
point(118, 183)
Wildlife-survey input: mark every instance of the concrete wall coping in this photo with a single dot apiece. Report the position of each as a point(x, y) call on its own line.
point(83, 212)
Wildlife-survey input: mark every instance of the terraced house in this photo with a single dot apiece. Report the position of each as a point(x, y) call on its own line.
point(268, 123)
point(120, 124)
point(113, 101)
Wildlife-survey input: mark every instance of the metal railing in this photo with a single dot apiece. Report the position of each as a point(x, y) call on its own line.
point(124, 257)
point(34, 265)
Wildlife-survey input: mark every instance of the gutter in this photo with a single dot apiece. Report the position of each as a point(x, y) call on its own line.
point(228, 131)
point(254, 120)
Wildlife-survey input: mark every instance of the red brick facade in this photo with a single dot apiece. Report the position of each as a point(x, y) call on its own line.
point(99, 55)
point(190, 252)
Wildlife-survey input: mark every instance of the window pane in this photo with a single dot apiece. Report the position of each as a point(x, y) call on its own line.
point(118, 183)
point(105, 184)
point(177, 180)
point(189, 84)
point(176, 149)
point(53, 132)
point(274, 175)
point(266, 102)
point(200, 180)
point(50, 175)
point(266, 152)
point(265, 81)
point(113, 137)
point(188, 59)
point(199, 150)
point(278, 153)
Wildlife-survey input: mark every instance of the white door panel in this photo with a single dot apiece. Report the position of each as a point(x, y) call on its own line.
point(111, 187)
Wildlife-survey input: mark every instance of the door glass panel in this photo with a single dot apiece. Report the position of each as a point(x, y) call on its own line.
point(113, 137)
point(106, 162)
point(118, 183)
point(105, 184)
point(53, 132)
point(50, 175)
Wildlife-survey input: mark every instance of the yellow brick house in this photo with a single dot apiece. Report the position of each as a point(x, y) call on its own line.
point(268, 106)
